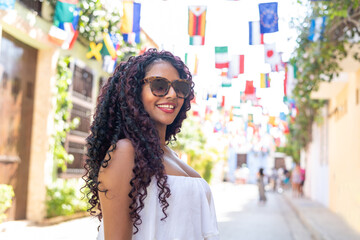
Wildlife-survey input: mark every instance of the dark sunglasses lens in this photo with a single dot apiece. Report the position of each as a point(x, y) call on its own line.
point(182, 88)
point(159, 86)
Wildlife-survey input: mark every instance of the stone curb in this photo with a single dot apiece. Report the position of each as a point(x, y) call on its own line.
point(315, 234)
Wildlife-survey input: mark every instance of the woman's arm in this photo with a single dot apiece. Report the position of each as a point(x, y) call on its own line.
point(115, 178)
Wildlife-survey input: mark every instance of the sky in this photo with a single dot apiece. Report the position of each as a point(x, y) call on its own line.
point(166, 22)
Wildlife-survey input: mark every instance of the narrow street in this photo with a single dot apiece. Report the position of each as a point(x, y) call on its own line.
point(238, 212)
point(240, 216)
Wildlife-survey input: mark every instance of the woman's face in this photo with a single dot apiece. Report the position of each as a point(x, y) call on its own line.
point(163, 110)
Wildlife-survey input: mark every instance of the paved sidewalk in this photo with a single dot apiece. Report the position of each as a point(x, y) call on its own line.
point(321, 221)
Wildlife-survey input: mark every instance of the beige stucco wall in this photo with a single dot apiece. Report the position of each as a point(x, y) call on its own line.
point(32, 30)
point(344, 152)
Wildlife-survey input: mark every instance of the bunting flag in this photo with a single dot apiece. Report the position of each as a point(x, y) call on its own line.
point(249, 88)
point(236, 66)
point(192, 62)
point(7, 4)
point(221, 57)
point(109, 64)
point(255, 37)
point(226, 82)
point(282, 116)
point(65, 23)
point(317, 27)
point(130, 21)
point(268, 17)
point(264, 80)
point(273, 58)
point(110, 45)
point(95, 51)
point(196, 24)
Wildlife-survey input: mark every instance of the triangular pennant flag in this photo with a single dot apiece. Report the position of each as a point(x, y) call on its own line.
point(268, 17)
point(236, 66)
point(221, 57)
point(317, 28)
point(255, 37)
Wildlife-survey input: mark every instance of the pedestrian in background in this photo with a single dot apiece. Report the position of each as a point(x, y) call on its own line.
point(139, 188)
point(261, 185)
point(296, 180)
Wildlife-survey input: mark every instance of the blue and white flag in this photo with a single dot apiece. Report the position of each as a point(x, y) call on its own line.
point(268, 17)
point(317, 27)
point(255, 37)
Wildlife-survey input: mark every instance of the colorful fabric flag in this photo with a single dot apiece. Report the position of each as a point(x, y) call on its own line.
point(196, 25)
point(57, 35)
point(66, 19)
point(130, 21)
point(64, 12)
point(249, 88)
point(7, 4)
point(110, 45)
point(225, 81)
point(221, 57)
point(264, 80)
point(268, 17)
point(255, 37)
point(236, 66)
point(273, 58)
point(317, 28)
point(109, 64)
point(95, 51)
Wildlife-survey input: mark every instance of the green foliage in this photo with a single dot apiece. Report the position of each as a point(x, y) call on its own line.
point(64, 198)
point(6, 195)
point(192, 142)
point(319, 61)
point(62, 121)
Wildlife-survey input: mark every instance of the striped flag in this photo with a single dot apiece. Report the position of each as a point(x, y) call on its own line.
point(317, 28)
point(236, 66)
point(130, 21)
point(196, 24)
point(265, 80)
point(221, 57)
point(255, 37)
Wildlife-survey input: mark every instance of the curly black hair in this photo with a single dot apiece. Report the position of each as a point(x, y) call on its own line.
point(120, 114)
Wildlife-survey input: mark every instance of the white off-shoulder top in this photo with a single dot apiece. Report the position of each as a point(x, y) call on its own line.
point(191, 212)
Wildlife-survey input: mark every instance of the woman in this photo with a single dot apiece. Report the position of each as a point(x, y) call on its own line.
point(261, 185)
point(139, 188)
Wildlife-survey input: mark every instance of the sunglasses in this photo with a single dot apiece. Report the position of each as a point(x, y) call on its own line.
point(160, 86)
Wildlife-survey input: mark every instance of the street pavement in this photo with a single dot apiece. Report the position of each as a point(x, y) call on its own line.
point(239, 214)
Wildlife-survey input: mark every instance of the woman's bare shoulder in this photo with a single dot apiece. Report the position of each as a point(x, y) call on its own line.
point(122, 160)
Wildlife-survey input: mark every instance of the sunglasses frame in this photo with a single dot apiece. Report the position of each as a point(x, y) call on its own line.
point(170, 84)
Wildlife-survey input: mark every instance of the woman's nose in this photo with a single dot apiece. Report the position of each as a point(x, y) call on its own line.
point(171, 93)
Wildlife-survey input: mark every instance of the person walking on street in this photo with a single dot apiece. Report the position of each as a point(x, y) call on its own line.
point(139, 188)
point(261, 185)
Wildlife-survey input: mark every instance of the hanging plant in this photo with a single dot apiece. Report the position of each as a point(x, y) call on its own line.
point(319, 61)
point(62, 123)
